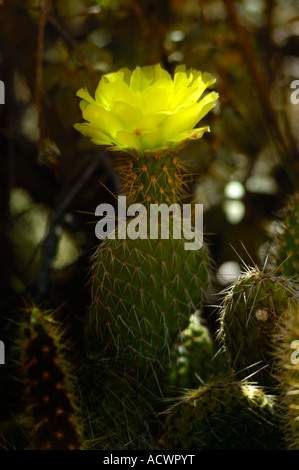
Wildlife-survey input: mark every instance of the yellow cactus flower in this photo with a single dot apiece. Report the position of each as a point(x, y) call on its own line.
point(146, 109)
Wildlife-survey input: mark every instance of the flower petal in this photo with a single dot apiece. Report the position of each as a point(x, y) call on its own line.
point(158, 96)
point(140, 140)
point(146, 109)
point(153, 120)
point(142, 77)
point(129, 139)
point(102, 119)
point(129, 116)
point(191, 134)
point(97, 136)
point(85, 95)
point(107, 91)
point(188, 116)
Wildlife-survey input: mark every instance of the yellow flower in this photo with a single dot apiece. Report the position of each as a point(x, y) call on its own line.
point(146, 109)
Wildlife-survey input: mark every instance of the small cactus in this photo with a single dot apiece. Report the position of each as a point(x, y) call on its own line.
point(285, 247)
point(197, 359)
point(115, 409)
point(222, 416)
point(46, 373)
point(250, 314)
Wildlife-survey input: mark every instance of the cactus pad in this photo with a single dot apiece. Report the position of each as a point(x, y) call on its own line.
point(143, 293)
point(47, 379)
point(251, 311)
point(222, 416)
point(287, 357)
point(197, 359)
point(285, 249)
point(115, 409)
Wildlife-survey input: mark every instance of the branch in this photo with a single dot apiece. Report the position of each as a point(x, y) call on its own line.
point(54, 232)
point(39, 62)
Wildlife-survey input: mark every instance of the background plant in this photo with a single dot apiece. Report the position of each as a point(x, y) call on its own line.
point(52, 179)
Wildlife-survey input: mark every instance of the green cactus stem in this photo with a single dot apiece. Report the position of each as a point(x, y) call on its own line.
point(143, 293)
point(287, 360)
point(116, 413)
point(222, 416)
point(250, 314)
point(197, 359)
point(285, 247)
point(46, 372)
point(154, 177)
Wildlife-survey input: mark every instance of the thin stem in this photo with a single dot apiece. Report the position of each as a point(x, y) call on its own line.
point(39, 62)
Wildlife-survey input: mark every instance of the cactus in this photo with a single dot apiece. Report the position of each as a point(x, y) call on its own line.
point(144, 338)
point(284, 252)
point(222, 416)
point(251, 311)
point(197, 359)
point(154, 177)
point(46, 373)
point(143, 292)
point(115, 411)
point(287, 372)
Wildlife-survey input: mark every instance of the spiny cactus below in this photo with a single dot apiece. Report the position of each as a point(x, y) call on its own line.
point(115, 411)
point(251, 311)
point(197, 359)
point(284, 252)
point(222, 416)
point(286, 355)
point(51, 405)
point(143, 292)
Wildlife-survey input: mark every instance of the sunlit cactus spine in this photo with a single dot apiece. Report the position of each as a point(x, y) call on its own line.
point(222, 415)
point(284, 253)
point(51, 406)
point(250, 314)
point(286, 356)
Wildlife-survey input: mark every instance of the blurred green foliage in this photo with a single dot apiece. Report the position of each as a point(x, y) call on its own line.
point(51, 48)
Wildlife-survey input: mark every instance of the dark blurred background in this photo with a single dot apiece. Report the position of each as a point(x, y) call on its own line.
point(52, 178)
